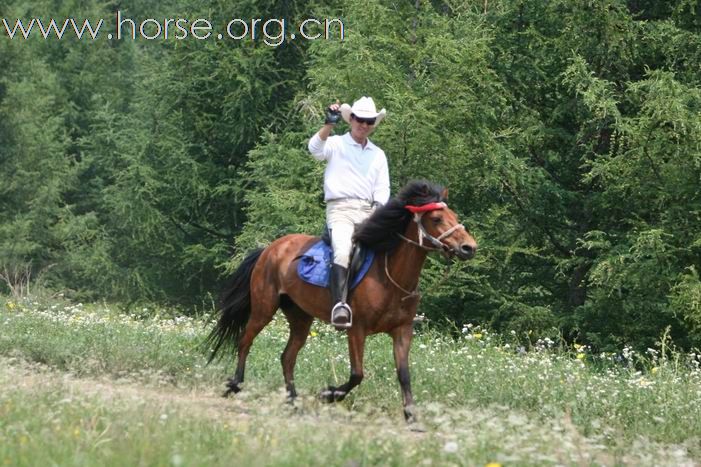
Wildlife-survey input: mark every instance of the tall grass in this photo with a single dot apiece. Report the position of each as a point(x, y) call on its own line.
point(481, 398)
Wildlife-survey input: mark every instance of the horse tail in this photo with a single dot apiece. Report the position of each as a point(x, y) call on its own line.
point(234, 308)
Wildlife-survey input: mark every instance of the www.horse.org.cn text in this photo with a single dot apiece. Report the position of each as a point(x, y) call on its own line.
point(271, 31)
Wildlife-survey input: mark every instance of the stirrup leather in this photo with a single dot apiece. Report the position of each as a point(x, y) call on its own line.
point(339, 312)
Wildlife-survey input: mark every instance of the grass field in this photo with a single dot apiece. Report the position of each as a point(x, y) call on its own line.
point(88, 385)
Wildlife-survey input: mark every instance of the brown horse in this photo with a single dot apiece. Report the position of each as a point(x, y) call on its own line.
point(384, 301)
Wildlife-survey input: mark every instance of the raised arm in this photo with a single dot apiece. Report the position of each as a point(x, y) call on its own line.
point(317, 143)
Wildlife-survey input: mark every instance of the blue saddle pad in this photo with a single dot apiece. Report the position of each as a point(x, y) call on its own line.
point(314, 266)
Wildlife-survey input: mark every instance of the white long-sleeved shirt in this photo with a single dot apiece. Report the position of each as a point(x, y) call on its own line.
point(352, 171)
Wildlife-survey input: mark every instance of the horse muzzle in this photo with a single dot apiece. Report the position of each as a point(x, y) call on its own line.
point(465, 251)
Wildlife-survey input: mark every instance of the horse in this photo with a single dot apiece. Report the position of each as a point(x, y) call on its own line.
point(384, 301)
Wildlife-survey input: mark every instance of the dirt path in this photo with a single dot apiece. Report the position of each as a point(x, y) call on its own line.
point(203, 402)
point(17, 374)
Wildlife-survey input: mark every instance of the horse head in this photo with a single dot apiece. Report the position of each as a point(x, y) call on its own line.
point(438, 225)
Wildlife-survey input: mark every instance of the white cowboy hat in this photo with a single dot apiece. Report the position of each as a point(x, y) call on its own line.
point(363, 108)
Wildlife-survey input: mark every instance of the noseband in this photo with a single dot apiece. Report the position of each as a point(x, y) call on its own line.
point(419, 212)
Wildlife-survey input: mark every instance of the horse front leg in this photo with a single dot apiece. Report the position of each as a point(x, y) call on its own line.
point(401, 338)
point(356, 348)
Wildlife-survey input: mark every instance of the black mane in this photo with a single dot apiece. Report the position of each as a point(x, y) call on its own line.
point(379, 231)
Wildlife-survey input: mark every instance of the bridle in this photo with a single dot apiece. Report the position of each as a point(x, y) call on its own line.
point(419, 212)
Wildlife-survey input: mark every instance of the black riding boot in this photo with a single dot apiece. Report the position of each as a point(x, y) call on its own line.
point(341, 316)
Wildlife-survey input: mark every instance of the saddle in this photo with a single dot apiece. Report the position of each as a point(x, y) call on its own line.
point(314, 266)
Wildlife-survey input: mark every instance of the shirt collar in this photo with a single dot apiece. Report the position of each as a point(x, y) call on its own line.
point(349, 139)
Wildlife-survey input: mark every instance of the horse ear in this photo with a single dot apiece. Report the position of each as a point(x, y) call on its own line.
point(444, 195)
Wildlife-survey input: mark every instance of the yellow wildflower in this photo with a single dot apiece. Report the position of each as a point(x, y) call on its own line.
point(654, 370)
point(580, 356)
point(493, 464)
point(477, 335)
point(313, 334)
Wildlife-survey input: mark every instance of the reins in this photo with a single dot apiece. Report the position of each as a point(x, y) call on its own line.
point(415, 293)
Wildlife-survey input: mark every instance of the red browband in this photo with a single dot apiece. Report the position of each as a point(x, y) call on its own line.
point(426, 207)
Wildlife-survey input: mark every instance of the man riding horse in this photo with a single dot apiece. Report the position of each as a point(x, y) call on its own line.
point(356, 181)
point(401, 232)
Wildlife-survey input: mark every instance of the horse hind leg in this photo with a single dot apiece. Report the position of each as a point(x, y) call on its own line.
point(300, 323)
point(262, 312)
point(356, 347)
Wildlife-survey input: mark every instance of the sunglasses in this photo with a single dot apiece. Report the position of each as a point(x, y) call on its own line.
point(369, 121)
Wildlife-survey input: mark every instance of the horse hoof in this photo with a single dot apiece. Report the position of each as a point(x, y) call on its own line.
point(326, 395)
point(232, 387)
point(332, 394)
point(409, 415)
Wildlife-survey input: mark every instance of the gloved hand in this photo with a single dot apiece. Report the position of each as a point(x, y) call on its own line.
point(332, 116)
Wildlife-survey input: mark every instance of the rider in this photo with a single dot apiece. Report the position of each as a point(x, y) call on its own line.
point(356, 180)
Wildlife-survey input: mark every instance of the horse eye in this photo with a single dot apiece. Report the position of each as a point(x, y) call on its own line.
point(436, 220)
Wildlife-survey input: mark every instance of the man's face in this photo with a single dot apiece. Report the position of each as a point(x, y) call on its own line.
point(361, 127)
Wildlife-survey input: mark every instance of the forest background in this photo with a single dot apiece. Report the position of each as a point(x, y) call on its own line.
point(567, 131)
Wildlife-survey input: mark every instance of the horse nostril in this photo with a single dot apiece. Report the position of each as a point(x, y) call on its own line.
point(467, 249)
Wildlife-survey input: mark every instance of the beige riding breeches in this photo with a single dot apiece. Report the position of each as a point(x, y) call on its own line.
point(341, 217)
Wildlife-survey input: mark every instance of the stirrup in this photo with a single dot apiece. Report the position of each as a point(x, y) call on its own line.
point(341, 316)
